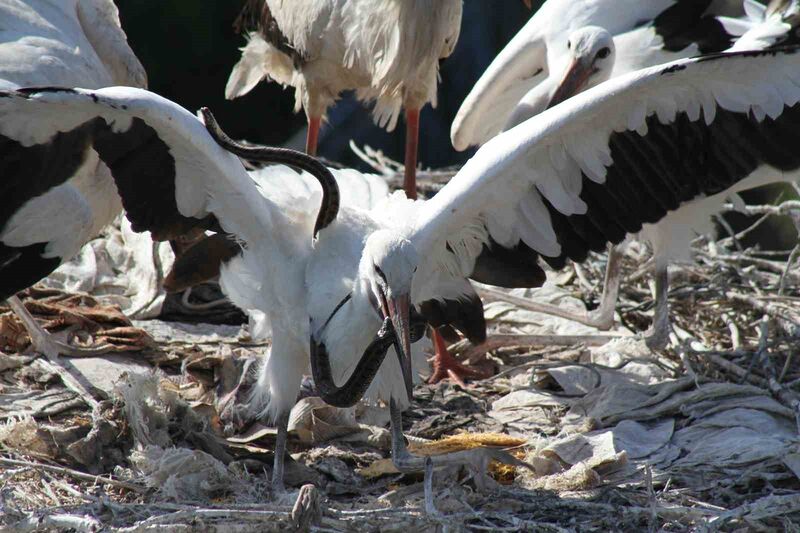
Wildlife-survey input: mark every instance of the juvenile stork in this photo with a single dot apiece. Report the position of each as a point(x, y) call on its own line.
point(51, 202)
point(579, 176)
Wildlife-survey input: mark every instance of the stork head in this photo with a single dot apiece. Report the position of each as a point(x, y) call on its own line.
point(591, 59)
point(386, 272)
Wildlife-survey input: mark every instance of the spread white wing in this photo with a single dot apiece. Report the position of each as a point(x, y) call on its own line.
point(601, 164)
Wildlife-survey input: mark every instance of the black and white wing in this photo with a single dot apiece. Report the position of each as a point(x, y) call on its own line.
point(600, 165)
point(169, 172)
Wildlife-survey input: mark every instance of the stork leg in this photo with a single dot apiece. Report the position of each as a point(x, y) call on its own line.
point(476, 459)
point(446, 366)
point(412, 145)
point(312, 137)
point(44, 343)
point(601, 318)
point(657, 337)
point(282, 424)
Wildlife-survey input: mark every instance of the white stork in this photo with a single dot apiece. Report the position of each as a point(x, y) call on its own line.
point(388, 51)
point(765, 27)
point(778, 25)
point(592, 56)
point(45, 220)
point(567, 46)
point(579, 176)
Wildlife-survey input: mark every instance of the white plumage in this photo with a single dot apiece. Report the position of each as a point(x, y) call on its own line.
point(388, 51)
point(700, 28)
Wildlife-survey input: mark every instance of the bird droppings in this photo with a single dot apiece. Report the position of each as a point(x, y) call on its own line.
point(618, 437)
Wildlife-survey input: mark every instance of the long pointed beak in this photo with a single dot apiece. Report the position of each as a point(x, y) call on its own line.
point(574, 81)
point(399, 314)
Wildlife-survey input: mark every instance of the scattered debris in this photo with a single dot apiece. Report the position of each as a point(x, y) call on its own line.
point(703, 435)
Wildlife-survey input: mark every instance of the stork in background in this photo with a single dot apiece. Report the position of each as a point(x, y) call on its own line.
point(51, 205)
point(541, 53)
point(579, 176)
point(593, 55)
point(387, 51)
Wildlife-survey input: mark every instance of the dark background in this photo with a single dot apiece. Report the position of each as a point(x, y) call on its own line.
point(189, 47)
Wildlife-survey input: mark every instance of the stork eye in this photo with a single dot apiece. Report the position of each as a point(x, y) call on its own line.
point(569, 45)
point(604, 52)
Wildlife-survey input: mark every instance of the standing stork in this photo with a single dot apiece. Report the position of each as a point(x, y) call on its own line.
point(764, 28)
point(388, 51)
point(581, 175)
point(52, 203)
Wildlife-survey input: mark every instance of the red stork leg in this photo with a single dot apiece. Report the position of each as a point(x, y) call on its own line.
point(313, 135)
point(412, 143)
point(446, 366)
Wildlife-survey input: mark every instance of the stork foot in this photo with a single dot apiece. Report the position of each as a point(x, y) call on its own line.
point(44, 343)
point(657, 337)
point(445, 366)
point(50, 347)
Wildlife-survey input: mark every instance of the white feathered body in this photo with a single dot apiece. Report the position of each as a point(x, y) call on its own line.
point(324, 273)
point(69, 43)
point(386, 50)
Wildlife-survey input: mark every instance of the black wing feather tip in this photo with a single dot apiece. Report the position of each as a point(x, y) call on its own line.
point(516, 267)
point(671, 165)
point(23, 267)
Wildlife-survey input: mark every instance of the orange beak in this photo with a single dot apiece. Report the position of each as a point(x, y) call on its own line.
point(574, 81)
